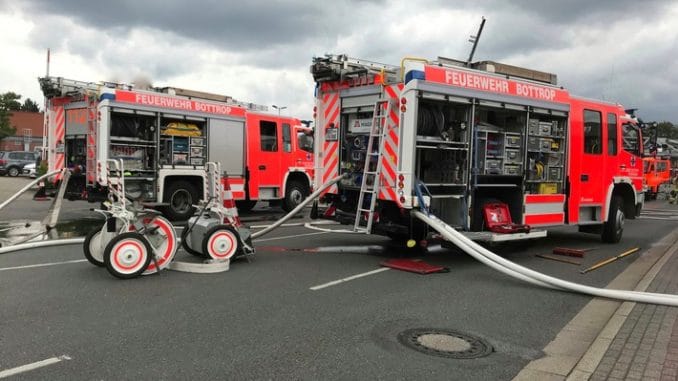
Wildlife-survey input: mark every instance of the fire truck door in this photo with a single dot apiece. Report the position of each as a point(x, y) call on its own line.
point(593, 163)
point(264, 147)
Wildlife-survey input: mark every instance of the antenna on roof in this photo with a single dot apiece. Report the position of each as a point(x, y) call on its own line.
point(474, 40)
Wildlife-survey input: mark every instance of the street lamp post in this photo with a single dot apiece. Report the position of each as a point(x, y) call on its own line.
point(279, 108)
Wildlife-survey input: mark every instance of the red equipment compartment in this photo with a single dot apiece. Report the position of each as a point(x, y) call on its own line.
point(498, 219)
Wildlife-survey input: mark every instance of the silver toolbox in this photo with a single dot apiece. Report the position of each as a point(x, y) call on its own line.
point(545, 144)
point(533, 143)
point(513, 140)
point(545, 128)
point(555, 174)
point(492, 166)
point(533, 127)
point(513, 169)
point(512, 154)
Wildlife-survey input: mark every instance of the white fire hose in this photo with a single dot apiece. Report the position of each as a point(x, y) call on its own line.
point(299, 207)
point(27, 187)
point(514, 270)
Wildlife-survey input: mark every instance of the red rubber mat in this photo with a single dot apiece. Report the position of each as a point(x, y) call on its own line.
point(415, 266)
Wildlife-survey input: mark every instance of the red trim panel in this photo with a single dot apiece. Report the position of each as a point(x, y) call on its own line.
point(545, 219)
point(544, 198)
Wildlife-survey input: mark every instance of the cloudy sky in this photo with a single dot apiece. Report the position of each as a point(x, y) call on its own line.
point(260, 51)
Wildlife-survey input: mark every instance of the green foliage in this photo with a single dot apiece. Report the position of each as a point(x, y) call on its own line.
point(8, 102)
point(30, 105)
point(667, 130)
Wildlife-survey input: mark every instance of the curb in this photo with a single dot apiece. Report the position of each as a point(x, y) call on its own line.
point(577, 349)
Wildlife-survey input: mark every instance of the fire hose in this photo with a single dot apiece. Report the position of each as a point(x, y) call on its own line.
point(523, 273)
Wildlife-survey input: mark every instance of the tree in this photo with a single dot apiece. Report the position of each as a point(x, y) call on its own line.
point(30, 105)
point(667, 130)
point(9, 102)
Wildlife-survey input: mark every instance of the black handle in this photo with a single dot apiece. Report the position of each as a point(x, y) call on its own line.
point(262, 167)
point(584, 177)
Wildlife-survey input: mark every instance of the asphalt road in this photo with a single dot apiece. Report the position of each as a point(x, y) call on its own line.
point(261, 320)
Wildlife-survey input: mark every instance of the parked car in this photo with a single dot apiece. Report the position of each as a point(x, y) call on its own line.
point(29, 170)
point(12, 163)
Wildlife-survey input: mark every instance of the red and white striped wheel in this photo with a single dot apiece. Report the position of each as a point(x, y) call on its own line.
point(127, 255)
point(163, 240)
point(221, 242)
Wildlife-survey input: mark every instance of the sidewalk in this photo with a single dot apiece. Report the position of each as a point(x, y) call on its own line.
point(612, 340)
point(646, 345)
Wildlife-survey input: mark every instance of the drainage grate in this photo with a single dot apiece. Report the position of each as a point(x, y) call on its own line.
point(445, 343)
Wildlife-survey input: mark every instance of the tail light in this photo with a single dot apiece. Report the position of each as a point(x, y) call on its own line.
point(3, 162)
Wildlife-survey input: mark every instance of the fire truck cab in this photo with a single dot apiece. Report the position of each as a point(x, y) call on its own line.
point(457, 140)
point(657, 171)
point(165, 136)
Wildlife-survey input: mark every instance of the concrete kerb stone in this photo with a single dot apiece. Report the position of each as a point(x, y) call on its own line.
point(599, 321)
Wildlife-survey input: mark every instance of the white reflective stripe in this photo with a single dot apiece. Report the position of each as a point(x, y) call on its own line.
point(544, 208)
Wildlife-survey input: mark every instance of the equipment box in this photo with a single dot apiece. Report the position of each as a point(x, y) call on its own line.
point(555, 159)
point(533, 143)
point(548, 188)
point(492, 166)
point(513, 141)
point(513, 169)
point(545, 144)
point(555, 174)
point(533, 127)
point(544, 128)
point(512, 155)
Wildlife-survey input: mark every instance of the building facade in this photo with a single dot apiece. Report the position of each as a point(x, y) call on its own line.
point(28, 135)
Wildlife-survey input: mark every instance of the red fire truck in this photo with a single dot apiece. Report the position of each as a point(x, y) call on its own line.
point(165, 136)
point(467, 142)
point(657, 171)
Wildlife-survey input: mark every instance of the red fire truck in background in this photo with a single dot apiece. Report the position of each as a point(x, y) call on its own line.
point(657, 171)
point(491, 149)
point(165, 136)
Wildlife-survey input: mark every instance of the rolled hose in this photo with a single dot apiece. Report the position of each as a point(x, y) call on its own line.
point(509, 268)
point(299, 207)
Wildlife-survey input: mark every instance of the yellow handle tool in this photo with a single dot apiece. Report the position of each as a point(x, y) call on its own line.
point(610, 260)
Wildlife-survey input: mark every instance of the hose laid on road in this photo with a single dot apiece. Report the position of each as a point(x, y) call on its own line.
point(27, 187)
point(299, 207)
point(509, 268)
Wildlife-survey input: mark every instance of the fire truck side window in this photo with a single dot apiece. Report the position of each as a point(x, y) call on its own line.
point(287, 137)
point(611, 134)
point(592, 132)
point(630, 139)
point(269, 136)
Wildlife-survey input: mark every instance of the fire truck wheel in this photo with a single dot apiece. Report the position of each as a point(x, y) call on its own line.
point(295, 193)
point(186, 245)
point(127, 255)
point(245, 205)
point(93, 248)
point(221, 242)
point(181, 196)
point(613, 228)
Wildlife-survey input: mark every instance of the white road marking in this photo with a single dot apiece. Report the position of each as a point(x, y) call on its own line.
point(43, 265)
point(288, 236)
point(295, 224)
point(32, 366)
point(333, 283)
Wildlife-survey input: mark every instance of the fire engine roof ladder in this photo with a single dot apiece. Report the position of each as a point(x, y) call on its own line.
point(372, 168)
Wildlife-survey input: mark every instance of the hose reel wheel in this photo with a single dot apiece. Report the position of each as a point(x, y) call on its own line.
point(221, 242)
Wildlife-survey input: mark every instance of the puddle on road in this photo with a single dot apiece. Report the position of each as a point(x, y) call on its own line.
point(14, 232)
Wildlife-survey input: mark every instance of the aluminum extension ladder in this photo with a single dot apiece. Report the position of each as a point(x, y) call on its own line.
point(369, 188)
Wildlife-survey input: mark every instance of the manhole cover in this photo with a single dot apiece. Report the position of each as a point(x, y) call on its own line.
point(445, 343)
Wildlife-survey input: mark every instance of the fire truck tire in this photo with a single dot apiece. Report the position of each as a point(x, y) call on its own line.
point(127, 255)
point(295, 193)
point(92, 248)
point(245, 205)
point(181, 196)
point(221, 242)
point(614, 227)
point(13, 171)
point(186, 245)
